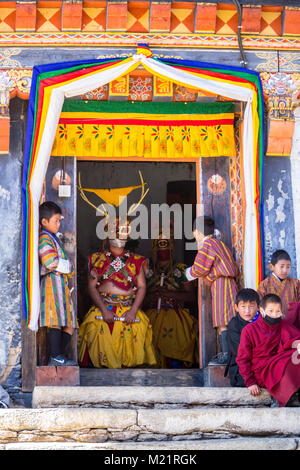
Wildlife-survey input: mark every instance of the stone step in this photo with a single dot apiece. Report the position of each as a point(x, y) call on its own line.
point(251, 443)
point(146, 397)
point(96, 425)
point(141, 377)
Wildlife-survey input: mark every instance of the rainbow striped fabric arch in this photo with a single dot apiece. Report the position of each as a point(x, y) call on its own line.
point(52, 83)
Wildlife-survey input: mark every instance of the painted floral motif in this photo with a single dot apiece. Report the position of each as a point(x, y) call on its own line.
point(96, 132)
point(88, 144)
point(155, 133)
point(140, 88)
point(182, 93)
point(62, 131)
point(186, 133)
point(147, 146)
point(170, 134)
point(196, 146)
point(167, 333)
point(127, 132)
point(120, 145)
point(204, 133)
point(72, 144)
point(102, 145)
point(178, 146)
point(226, 143)
point(110, 131)
point(214, 146)
point(79, 132)
point(99, 94)
point(163, 146)
point(280, 90)
point(219, 132)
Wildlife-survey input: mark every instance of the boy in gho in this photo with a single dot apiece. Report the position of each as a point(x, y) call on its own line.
point(214, 263)
point(280, 282)
point(57, 310)
point(268, 354)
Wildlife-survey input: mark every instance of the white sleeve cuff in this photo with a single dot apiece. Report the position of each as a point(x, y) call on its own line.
point(64, 266)
point(188, 274)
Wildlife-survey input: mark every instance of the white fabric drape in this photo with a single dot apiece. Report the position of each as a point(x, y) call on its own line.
point(89, 83)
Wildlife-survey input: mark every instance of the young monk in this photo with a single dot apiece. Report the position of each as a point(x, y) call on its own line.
point(214, 263)
point(293, 315)
point(279, 283)
point(268, 355)
point(247, 310)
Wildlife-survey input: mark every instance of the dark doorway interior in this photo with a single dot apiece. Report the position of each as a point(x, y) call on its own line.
point(168, 182)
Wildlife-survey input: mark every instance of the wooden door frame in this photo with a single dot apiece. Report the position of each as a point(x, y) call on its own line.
point(29, 346)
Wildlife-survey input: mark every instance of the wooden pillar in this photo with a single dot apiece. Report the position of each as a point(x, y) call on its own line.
point(29, 358)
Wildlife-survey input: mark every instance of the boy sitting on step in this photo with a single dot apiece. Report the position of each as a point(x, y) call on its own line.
point(269, 354)
point(246, 306)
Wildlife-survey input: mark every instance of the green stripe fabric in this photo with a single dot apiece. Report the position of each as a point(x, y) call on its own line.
point(148, 107)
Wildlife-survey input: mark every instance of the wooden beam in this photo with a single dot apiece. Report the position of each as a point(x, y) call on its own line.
point(28, 358)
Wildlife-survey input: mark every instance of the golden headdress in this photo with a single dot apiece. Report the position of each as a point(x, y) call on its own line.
point(114, 196)
point(117, 227)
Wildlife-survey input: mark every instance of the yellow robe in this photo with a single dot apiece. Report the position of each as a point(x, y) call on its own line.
point(174, 328)
point(129, 345)
point(119, 344)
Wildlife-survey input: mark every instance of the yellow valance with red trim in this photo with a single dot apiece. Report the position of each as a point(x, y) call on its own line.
point(150, 130)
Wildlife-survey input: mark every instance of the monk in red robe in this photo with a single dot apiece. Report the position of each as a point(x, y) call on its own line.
point(293, 315)
point(269, 354)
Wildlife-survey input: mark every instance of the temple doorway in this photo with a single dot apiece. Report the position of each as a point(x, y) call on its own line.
point(169, 183)
point(205, 180)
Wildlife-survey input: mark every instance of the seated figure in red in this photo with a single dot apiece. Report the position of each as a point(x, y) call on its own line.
point(115, 332)
point(269, 354)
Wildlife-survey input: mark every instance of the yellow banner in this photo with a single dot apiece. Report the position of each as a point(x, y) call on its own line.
point(149, 141)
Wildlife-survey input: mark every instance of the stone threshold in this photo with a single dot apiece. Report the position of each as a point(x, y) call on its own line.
point(146, 397)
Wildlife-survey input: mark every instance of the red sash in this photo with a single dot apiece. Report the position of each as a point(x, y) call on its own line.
point(122, 270)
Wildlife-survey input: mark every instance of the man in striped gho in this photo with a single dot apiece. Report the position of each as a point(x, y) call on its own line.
point(57, 310)
point(214, 264)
